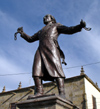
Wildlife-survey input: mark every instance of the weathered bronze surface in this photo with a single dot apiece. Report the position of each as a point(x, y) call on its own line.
point(47, 60)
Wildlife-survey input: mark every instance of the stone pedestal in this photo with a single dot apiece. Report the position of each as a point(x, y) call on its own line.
point(46, 102)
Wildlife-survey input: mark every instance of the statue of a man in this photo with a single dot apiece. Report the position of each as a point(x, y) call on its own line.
point(47, 60)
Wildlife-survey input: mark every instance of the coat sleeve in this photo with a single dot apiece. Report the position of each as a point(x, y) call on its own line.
point(68, 30)
point(30, 39)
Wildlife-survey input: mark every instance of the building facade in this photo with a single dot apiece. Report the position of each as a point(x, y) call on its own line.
point(80, 90)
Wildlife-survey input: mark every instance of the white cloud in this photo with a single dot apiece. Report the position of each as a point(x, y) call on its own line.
point(6, 21)
point(9, 66)
point(15, 57)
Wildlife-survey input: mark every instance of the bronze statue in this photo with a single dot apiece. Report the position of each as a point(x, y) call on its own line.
point(47, 60)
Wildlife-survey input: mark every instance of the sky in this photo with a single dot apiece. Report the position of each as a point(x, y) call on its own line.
point(80, 49)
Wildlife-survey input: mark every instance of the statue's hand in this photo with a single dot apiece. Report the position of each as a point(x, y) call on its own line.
point(20, 30)
point(82, 24)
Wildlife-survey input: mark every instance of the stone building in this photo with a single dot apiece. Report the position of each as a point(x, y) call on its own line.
point(80, 90)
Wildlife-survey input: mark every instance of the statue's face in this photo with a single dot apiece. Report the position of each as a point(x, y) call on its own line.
point(47, 19)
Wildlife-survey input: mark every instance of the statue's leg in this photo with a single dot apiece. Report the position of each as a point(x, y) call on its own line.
point(60, 85)
point(38, 86)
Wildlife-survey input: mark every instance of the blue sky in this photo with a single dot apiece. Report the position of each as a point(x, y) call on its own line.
point(80, 48)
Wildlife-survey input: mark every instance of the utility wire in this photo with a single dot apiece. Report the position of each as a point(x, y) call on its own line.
point(15, 74)
point(63, 68)
point(82, 65)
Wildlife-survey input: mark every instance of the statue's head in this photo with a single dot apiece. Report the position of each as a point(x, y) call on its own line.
point(48, 18)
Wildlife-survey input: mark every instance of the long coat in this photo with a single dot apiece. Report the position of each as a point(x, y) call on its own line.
point(47, 62)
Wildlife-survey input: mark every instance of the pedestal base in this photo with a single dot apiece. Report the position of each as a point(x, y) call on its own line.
point(46, 102)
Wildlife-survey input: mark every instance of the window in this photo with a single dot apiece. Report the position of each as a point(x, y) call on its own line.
point(13, 106)
point(94, 102)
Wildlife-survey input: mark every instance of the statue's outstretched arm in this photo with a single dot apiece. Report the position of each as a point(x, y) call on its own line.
point(30, 38)
point(71, 30)
point(25, 36)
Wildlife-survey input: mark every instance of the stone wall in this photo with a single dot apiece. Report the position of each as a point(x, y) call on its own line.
point(75, 91)
point(14, 96)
